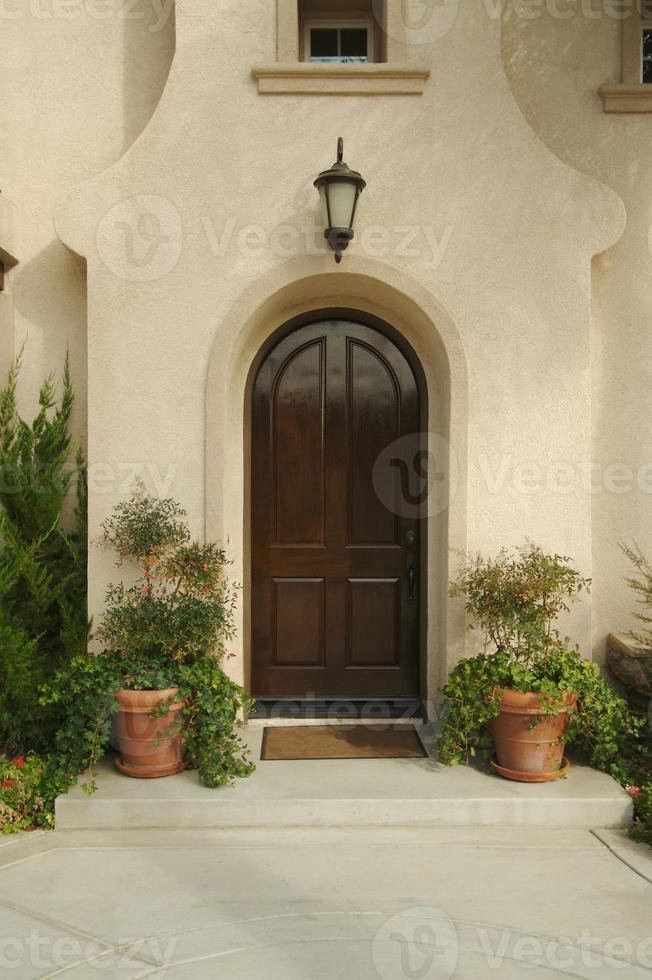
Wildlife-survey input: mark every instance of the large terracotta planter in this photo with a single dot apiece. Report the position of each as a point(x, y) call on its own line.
point(149, 747)
point(527, 742)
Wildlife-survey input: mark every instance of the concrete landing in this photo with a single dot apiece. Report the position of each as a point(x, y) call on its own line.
point(325, 904)
point(345, 793)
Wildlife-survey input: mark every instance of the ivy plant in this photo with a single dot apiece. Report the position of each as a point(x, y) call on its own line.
point(515, 600)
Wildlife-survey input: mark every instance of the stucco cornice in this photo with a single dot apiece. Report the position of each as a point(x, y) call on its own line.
point(304, 78)
point(627, 98)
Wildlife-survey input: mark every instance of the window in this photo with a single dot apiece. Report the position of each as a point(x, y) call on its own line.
point(647, 55)
point(646, 42)
point(350, 42)
point(633, 91)
point(340, 47)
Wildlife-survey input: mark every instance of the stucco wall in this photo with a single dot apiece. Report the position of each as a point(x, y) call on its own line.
point(465, 207)
point(556, 67)
point(487, 199)
point(79, 80)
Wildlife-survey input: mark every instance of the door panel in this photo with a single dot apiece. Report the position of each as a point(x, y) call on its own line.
point(331, 614)
point(373, 622)
point(299, 622)
point(298, 448)
point(374, 421)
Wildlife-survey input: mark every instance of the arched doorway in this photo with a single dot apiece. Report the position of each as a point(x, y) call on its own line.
point(338, 534)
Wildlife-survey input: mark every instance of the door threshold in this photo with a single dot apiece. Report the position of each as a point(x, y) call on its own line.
point(337, 709)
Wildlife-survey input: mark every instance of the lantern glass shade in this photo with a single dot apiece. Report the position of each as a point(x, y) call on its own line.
point(338, 202)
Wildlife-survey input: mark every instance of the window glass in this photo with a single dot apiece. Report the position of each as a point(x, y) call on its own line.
point(647, 55)
point(345, 44)
point(323, 44)
point(353, 44)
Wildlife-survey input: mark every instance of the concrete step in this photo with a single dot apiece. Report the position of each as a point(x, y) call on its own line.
point(346, 793)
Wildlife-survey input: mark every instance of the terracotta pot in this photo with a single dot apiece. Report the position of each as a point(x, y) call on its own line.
point(527, 742)
point(147, 748)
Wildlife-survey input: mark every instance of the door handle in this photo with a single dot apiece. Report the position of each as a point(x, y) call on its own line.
point(412, 576)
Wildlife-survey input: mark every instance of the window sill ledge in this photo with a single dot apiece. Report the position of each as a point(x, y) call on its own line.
point(627, 98)
point(304, 78)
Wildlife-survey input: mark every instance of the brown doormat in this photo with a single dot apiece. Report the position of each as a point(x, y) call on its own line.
point(342, 742)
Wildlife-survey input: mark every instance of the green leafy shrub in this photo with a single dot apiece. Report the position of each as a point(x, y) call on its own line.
point(43, 617)
point(167, 629)
point(515, 600)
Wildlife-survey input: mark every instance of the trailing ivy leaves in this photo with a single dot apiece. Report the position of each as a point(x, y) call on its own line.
point(43, 618)
point(602, 728)
point(209, 720)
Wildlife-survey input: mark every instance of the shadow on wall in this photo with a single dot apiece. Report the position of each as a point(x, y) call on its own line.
point(149, 40)
point(49, 292)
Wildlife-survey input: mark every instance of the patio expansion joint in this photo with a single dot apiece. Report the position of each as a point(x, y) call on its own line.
point(107, 946)
point(619, 857)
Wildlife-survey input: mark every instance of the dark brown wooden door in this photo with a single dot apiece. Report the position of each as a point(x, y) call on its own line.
point(335, 562)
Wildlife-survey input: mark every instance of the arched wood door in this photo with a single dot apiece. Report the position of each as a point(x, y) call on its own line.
point(335, 605)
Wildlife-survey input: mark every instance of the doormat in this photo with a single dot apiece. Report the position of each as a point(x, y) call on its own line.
point(342, 742)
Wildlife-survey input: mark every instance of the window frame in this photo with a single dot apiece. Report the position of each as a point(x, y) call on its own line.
point(339, 24)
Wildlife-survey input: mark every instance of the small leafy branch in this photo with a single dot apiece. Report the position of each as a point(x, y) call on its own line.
point(641, 583)
point(182, 606)
point(516, 599)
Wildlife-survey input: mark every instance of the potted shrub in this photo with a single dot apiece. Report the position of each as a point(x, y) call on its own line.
point(528, 693)
point(161, 667)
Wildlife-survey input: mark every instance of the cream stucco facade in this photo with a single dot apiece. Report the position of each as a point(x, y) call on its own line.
point(161, 163)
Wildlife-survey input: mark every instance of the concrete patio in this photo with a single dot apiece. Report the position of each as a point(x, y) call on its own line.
point(346, 793)
point(323, 904)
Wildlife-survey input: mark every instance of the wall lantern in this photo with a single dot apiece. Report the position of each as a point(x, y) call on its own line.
point(339, 189)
